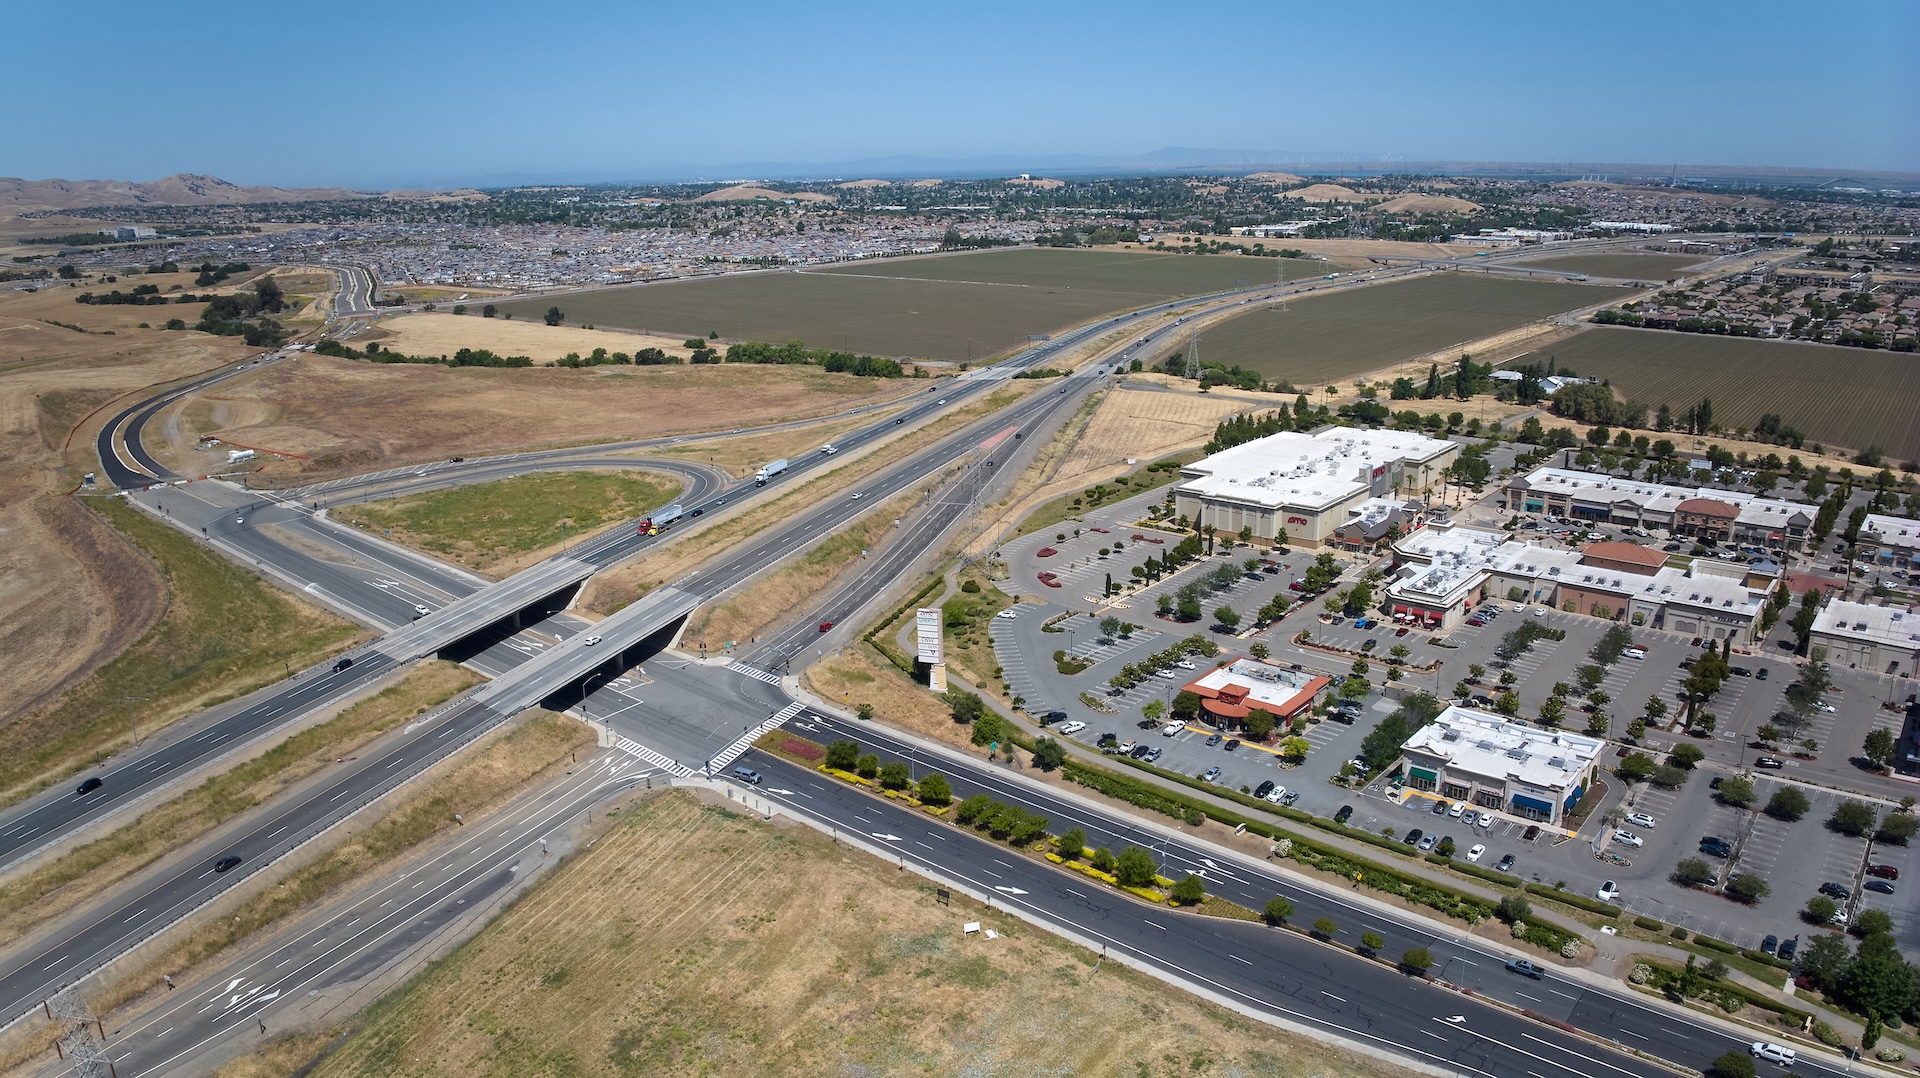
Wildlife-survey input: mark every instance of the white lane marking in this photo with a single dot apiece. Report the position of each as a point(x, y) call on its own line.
point(1240, 960)
point(1331, 996)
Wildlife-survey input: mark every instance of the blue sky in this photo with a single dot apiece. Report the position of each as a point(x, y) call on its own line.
point(399, 94)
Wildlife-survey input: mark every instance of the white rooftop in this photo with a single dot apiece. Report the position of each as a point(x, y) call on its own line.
point(1896, 532)
point(1457, 558)
point(1483, 743)
point(1311, 471)
point(1661, 497)
point(1274, 689)
point(1887, 626)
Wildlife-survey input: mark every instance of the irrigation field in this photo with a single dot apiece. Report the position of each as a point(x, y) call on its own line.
point(951, 307)
point(1841, 396)
point(1323, 339)
point(1647, 267)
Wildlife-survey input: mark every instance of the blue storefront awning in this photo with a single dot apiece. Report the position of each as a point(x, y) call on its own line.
point(1522, 801)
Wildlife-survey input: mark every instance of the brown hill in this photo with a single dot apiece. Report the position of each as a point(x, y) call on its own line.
point(1274, 177)
point(1330, 192)
point(1428, 204)
point(19, 196)
point(747, 192)
point(857, 184)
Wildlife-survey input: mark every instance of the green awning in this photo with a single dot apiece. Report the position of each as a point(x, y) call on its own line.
point(1423, 773)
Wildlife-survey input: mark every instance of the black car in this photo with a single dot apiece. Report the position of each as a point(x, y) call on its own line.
point(1345, 718)
point(1760, 674)
point(1345, 813)
point(1413, 836)
point(342, 664)
point(1716, 847)
point(1052, 716)
point(1532, 832)
point(1788, 946)
point(1263, 789)
point(1885, 887)
point(89, 786)
point(1772, 763)
point(1439, 808)
point(1505, 864)
point(1107, 740)
point(1770, 945)
point(1834, 890)
point(225, 863)
point(1232, 744)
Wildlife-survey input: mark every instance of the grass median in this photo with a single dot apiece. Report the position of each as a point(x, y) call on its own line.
point(694, 940)
point(225, 633)
point(76, 877)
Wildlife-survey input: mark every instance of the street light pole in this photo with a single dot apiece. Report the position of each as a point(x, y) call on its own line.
point(130, 723)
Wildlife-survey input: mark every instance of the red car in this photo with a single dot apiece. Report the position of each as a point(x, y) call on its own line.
point(1295, 586)
point(825, 625)
point(1885, 872)
point(1138, 538)
point(1102, 531)
point(1045, 552)
point(1401, 631)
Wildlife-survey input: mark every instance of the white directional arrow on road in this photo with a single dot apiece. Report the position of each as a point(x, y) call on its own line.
point(889, 838)
point(1011, 890)
point(778, 790)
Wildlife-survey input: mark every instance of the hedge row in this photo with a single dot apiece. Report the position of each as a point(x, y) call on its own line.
point(1591, 905)
point(1649, 923)
point(1718, 945)
point(1372, 873)
point(1501, 879)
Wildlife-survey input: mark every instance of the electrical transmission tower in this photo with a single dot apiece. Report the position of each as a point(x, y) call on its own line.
point(84, 1040)
point(1193, 352)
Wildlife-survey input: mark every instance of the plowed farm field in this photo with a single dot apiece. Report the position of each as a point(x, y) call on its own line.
point(1850, 397)
point(1324, 339)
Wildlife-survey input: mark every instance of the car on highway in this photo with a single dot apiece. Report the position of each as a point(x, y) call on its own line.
point(1525, 968)
point(1475, 853)
point(747, 775)
point(420, 611)
point(857, 495)
point(1885, 872)
point(940, 401)
point(1608, 891)
point(225, 863)
point(342, 663)
point(592, 640)
point(825, 625)
point(1628, 838)
point(1073, 727)
point(1774, 1053)
point(1640, 819)
point(239, 520)
point(89, 786)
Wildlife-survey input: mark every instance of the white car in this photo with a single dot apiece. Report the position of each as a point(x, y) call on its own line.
point(591, 640)
point(1825, 708)
point(1640, 819)
point(1474, 854)
point(857, 497)
point(1172, 728)
point(1608, 891)
point(1459, 809)
point(1008, 614)
point(1184, 665)
point(1274, 795)
point(1073, 727)
point(1628, 838)
point(1485, 822)
point(1539, 611)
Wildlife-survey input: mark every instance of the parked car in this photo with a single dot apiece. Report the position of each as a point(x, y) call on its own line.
point(1428, 842)
point(1440, 808)
point(1172, 728)
point(1153, 753)
point(1532, 832)
point(1457, 809)
point(1279, 794)
point(1505, 864)
point(1474, 854)
point(1788, 946)
point(1772, 763)
point(1401, 631)
point(1885, 887)
point(1073, 727)
point(1608, 891)
point(1370, 644)
point(1885, 872)
point(1213, 740)
point(1290, 797)
point(1640, 819)
point(1264, 788)
point(1628, 838)
point(1212, 775)
point(1413, 837)
point(1345, 813)
point(1835, 890)
point(1232, 744)
point(1715, 847)
point(1770, 945)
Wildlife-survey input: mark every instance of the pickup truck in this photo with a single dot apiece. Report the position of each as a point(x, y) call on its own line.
point(1524, 968)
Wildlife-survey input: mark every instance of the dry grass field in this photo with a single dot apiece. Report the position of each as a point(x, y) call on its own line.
point(694, 940)
point(948, 307)
point(1145, 425)
point(71, 597)
point(344, 415)
point(445, 334)
point(1843, 396)
point(1637, 267)
point(1323, 339)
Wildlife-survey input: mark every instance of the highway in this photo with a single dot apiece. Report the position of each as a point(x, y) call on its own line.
point(529, 679)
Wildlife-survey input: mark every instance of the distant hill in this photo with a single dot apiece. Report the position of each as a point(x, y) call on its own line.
point(19, 196)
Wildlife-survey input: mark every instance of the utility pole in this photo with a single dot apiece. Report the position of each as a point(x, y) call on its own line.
point(1193, 352)
point(131, 726)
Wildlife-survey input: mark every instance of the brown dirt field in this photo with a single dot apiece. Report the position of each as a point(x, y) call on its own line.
point(1274, 177)
point(747, 191)
point(71, 595)
point(1147, 426)
point(444, 334)
point(612, 589)
point(1332, 192)
point(856, 184)
point(768, 950)
point(858, 676)
point(1042, 184)
point(771, 599)
point(345, 415)
point(1414, 203)
point(926, 183)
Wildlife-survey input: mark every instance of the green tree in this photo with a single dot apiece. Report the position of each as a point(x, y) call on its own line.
point(1738, 791)
point(1105, 861)
point(843, 755)
point(1370, 942)
point(1897, 827)
point(1803, 618)
point(1110, 626)
point(1879, 981)
point(1685, 755)
point(1228, 617)
point(1852, 817)
point(489, 311)
point(555, 316)
point(1073, 844)
point(1417, 960)
point(1733, 1064)
point(1692, 872)
point(868, 765)
point(1259, 724)
point(1154, 709)
point(267, 291)
point(1552, 712)
point(1186, 702)
point(894, 775)
point(965, 707)
point(864, 712)
point(1135, 867)
point(1635, 767)
point(1325, 926)
point(1446, 847)
point(935, 790)
point(1871, 921)
point(991, 729)
point(1820, 909)
point(1878, 747)
point(1049, 754)
point(1189, 891)
point(1277, 910)
point(1259, 649)
point(1749, 888)
point(1787, 803)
